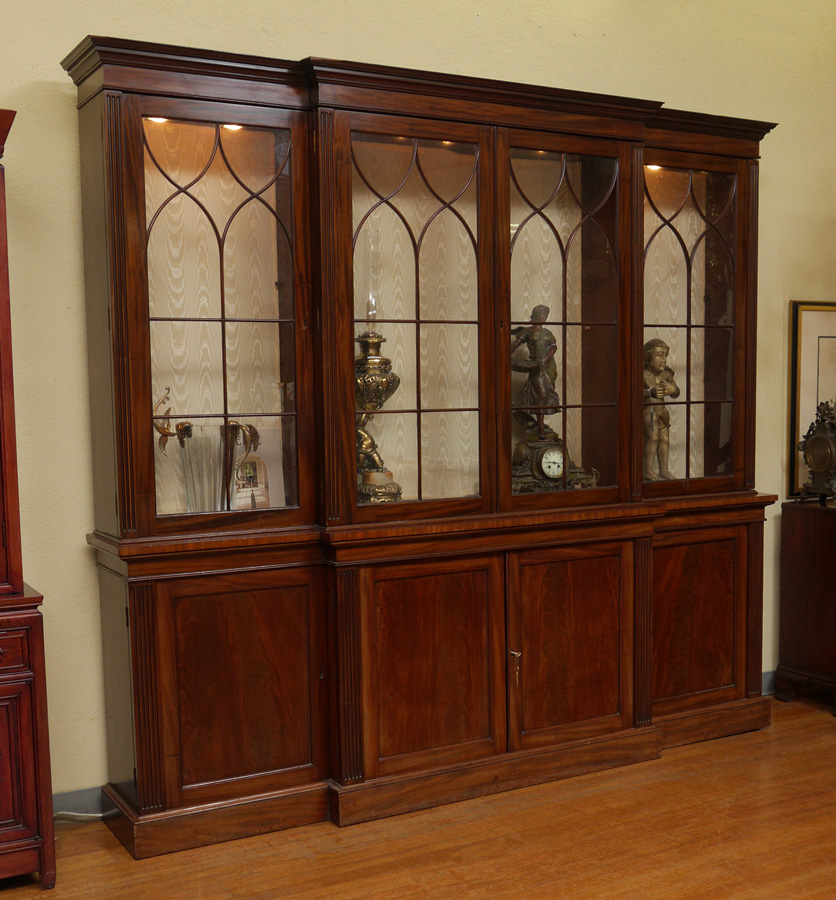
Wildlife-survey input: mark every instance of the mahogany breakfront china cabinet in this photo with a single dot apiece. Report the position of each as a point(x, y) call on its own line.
point(424, 434)
point(27, 842)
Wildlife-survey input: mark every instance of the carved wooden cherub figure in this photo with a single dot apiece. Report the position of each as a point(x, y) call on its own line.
point(658, 384)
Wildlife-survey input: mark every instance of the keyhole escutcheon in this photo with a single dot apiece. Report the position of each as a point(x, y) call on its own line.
point(516, 654)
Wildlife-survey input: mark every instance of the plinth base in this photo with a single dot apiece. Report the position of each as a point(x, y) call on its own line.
point(378, 486)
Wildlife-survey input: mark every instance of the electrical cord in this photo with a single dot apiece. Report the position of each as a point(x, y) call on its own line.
point(76, 816)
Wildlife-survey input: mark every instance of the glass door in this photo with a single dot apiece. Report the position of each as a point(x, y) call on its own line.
point(417, 248)
point(561, 257)
point(691, 318)
point(220, 238)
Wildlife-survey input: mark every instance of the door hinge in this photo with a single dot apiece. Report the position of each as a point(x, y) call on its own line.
point(5, 539)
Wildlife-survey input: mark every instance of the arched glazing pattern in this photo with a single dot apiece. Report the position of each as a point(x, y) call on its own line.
point(415, 239)
point(218, 204)
point(564, 278)
point(690, 222)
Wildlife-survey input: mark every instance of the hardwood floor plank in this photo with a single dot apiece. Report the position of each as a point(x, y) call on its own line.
point(748, 817)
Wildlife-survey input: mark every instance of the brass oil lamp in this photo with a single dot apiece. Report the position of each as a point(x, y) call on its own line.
point(374, 384)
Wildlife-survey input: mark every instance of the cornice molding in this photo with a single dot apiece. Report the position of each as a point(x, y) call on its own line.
point(335, 83)
point(95, 52)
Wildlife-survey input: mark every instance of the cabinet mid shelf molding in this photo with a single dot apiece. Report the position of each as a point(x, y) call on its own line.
point(427, 406)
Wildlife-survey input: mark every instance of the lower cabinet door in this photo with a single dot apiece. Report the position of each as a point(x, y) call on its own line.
point(18, 803)
point(570, 643)
point(432, 645)
point(242, 683)
point(698, 618)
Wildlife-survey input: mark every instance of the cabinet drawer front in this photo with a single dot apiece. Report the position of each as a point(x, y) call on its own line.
point(14, 651)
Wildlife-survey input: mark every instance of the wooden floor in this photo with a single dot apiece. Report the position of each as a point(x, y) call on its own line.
point(751, 817)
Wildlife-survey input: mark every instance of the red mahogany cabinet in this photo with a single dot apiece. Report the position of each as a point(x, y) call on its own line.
point(426, 434)
point(27, 843)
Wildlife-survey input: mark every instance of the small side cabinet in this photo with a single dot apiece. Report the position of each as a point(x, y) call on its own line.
point(27, 843)
point(806, 650)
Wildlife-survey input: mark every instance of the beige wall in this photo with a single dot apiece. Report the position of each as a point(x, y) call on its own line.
point(760, 60)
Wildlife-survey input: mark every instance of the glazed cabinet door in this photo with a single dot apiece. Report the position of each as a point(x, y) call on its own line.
point(238, 686)
point(432, 658)
point(570, 643)
point(563, 268)
point(698, 619)
point(695, 313)
point(409, 302)
point(210, 314)
point(11, 577)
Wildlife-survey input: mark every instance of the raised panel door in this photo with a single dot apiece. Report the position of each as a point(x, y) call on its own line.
point(569, 643)
point(433, 665)
point(698, 619)
point(245, 676)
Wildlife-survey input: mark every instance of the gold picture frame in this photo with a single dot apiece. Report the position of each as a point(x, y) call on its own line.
point(812, 377)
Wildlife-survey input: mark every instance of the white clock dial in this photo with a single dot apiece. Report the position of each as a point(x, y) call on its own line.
point(552, 463)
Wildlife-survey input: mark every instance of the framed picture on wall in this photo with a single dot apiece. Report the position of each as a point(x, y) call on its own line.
point(812, 377)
